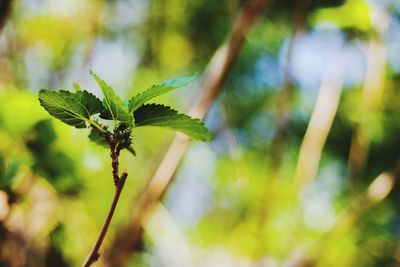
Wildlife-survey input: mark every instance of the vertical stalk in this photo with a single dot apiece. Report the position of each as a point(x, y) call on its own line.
point(119, 182)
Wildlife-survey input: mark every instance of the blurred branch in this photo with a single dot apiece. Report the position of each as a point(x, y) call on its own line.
point(320, 122)
point(161, 238)
point(368, 105)
point(129, 237)
point(283, 108)
point(371, 99)
point(376, 192)
point(5, 8)
point(314, 140)
point(285, 94)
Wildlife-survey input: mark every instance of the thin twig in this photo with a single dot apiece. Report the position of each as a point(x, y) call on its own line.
point(119, 183)
point(94, 254)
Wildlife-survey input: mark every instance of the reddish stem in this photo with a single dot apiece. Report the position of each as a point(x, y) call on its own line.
point(119, 183)
point(94, 254)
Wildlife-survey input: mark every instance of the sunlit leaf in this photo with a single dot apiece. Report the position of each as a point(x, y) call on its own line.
point(158, 89)
point(160, 115)
point(72, 108)
point(114, 107)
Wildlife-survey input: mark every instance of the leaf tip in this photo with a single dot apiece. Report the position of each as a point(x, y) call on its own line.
point(77, 88)
point(179, 81)
point(209, 137)
point(41, 91)
point(95, 76)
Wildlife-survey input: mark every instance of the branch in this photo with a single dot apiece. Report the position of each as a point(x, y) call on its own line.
point(128, 238)
point(369, 103)
point(364, 202)
point(320, 122)
point(285, 93)
point(119, 183)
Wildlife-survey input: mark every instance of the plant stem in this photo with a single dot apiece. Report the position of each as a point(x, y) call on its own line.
point(119, 183)
point(94, 254)
point(115, 165)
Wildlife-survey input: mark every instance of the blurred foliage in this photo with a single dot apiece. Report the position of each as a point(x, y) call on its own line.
point(54, 165)
point(228, 206)
point(353, 14)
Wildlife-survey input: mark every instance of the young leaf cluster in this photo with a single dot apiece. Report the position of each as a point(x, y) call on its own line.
point(111, 121)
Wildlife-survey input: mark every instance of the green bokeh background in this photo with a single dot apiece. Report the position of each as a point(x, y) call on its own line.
point(234, 201)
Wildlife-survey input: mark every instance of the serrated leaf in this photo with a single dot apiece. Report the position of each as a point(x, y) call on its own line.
point(160, 115)
point(158, 89)
point(71, 108)
point(114, 107)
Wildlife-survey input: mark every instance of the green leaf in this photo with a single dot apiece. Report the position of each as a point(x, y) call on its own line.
point(72, 108)
point(114, 107)
point(77, 88)
point(131, 150)
point(158, 89)
point(41, 137)
point(160, 115)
